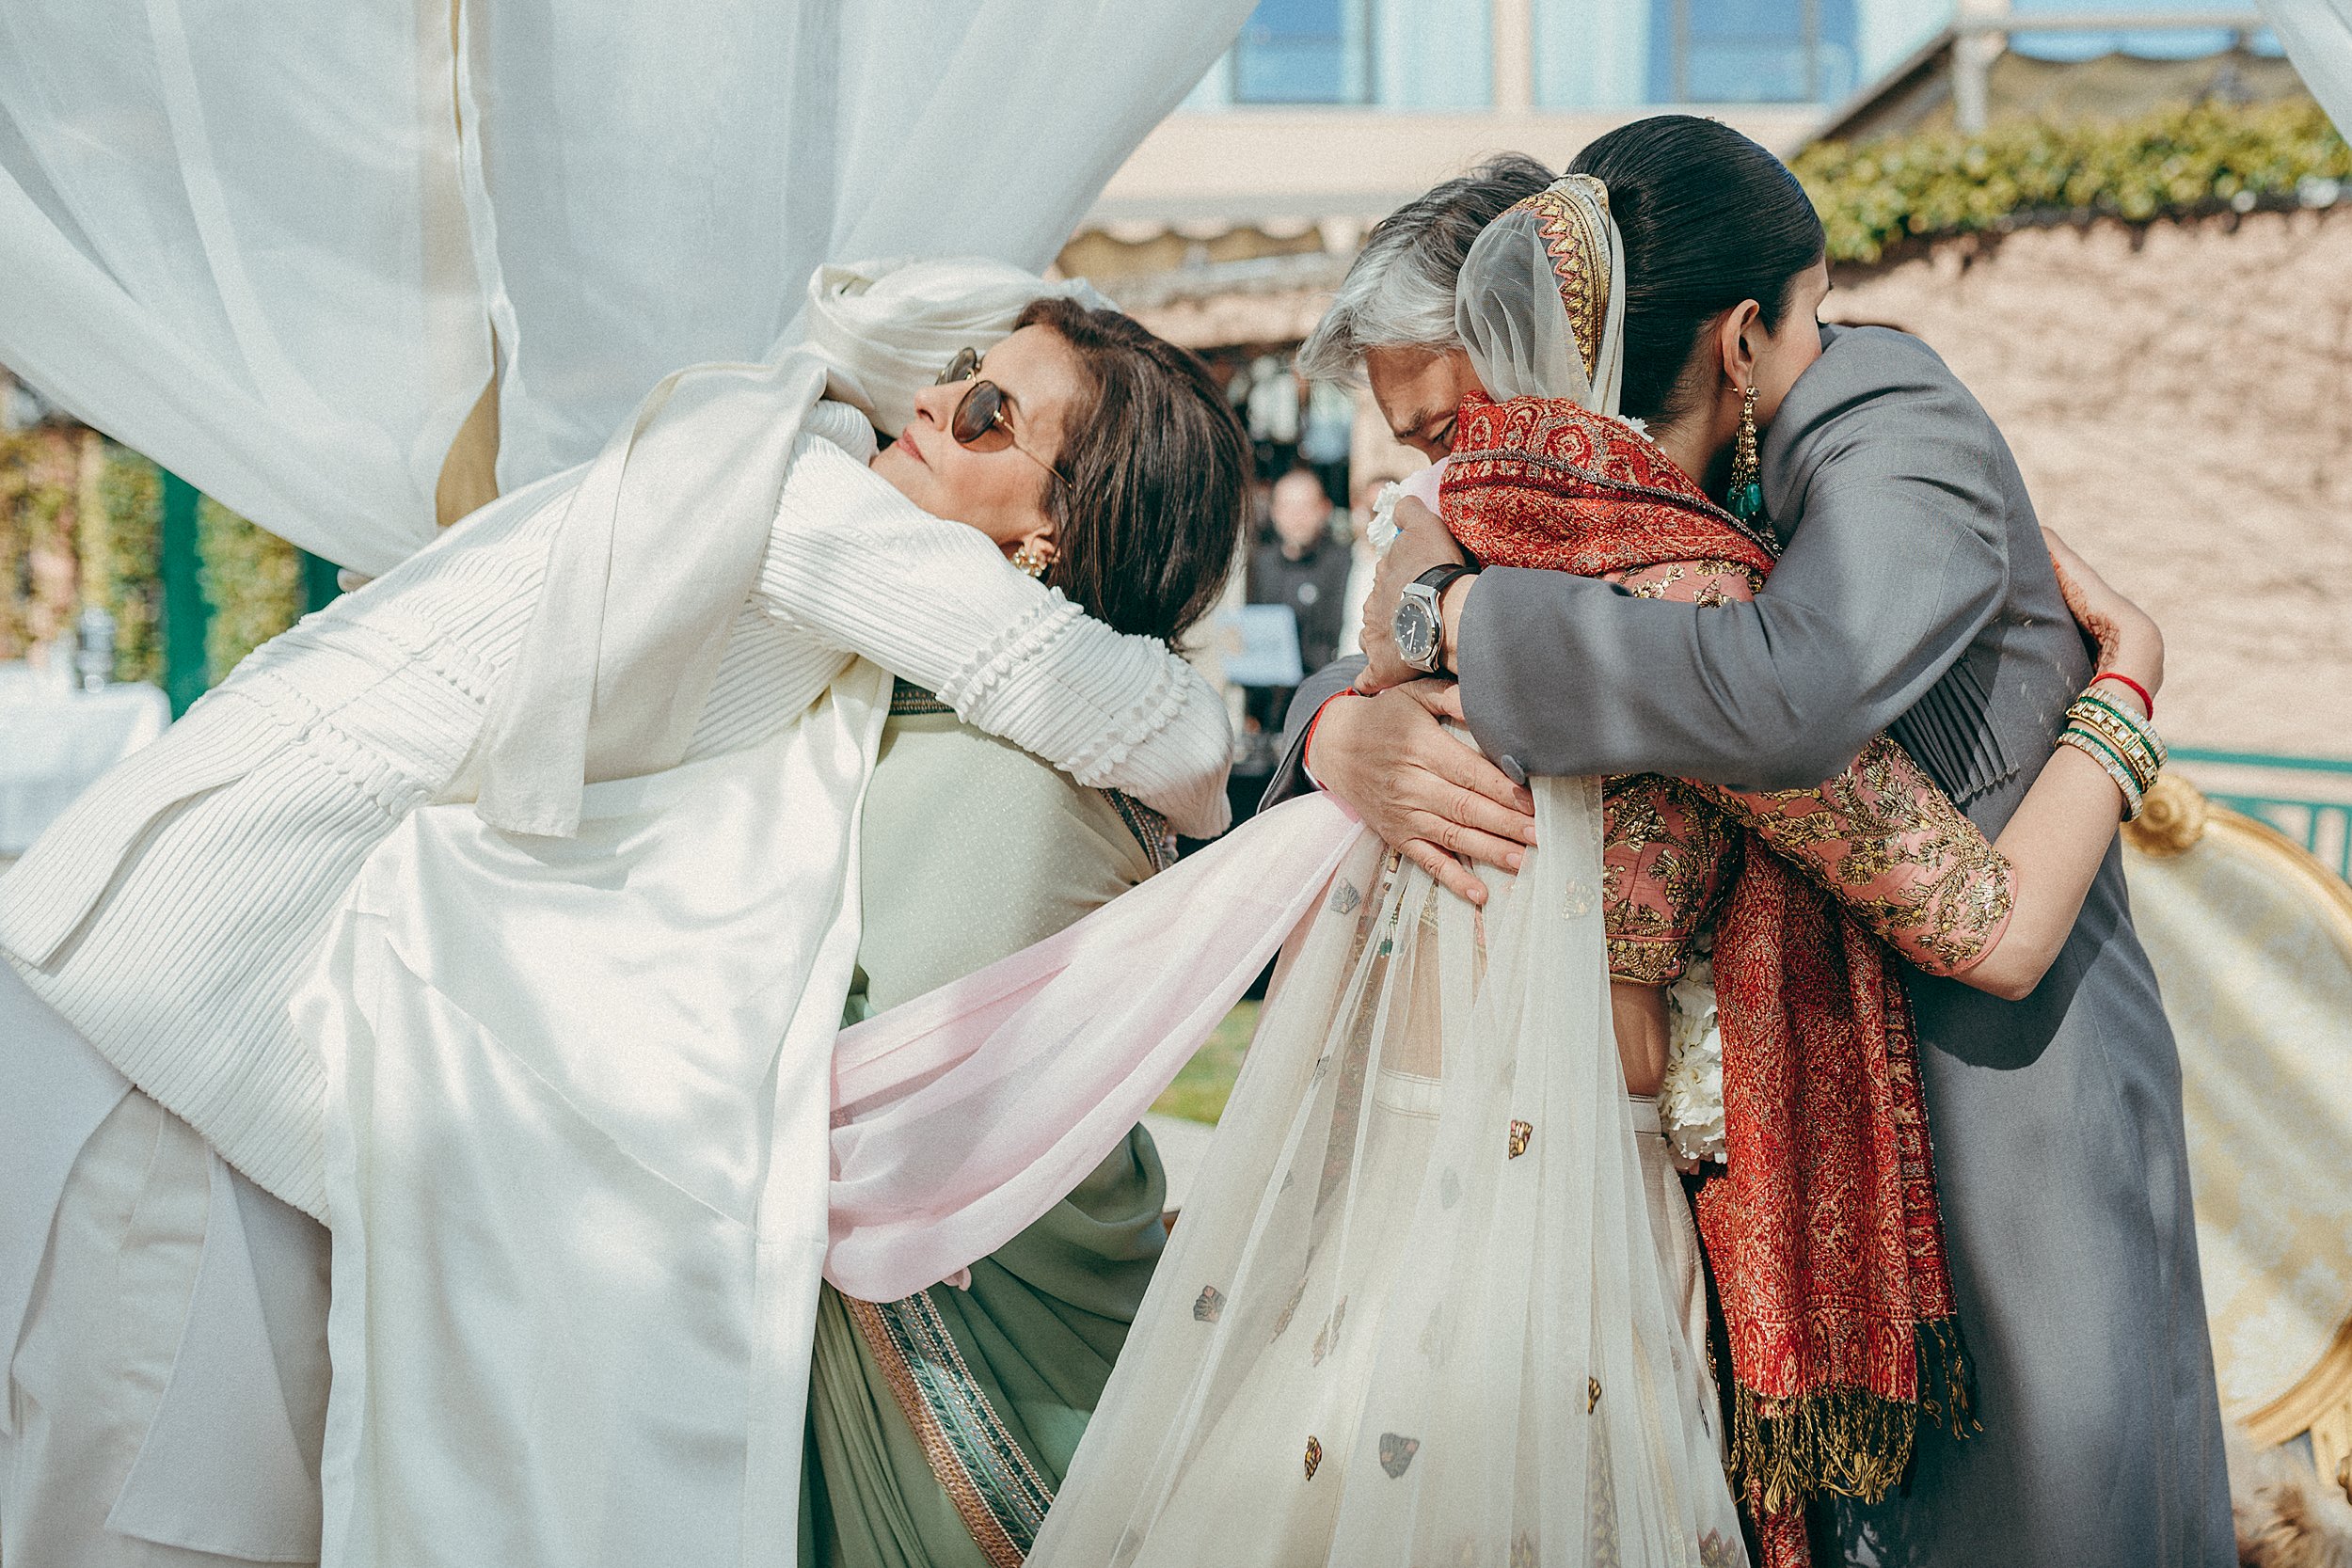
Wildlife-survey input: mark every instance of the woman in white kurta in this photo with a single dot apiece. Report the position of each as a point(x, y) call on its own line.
point(172, 914)
point(578, 1089)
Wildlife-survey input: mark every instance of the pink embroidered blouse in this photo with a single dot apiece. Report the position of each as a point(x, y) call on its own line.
point(1881, 837)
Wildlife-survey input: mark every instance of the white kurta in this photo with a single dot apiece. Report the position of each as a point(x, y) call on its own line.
point(171, 913)
point(578, 1100)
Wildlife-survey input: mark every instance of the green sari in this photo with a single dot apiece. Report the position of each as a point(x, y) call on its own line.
point(939, 1425)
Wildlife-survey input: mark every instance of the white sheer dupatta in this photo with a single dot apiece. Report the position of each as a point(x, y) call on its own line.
point(1414, 1311)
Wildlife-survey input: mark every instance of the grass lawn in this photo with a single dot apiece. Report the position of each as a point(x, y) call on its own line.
point(1202, 1088)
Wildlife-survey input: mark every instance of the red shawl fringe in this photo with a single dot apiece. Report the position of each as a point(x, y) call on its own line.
point(1821, 1230)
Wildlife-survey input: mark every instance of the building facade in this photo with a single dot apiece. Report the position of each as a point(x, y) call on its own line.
point(1327, 113)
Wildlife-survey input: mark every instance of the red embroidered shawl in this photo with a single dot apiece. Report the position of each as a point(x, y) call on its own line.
point(1822, 1230)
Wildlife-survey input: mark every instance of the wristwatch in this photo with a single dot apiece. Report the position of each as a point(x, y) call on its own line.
point(1420, 627)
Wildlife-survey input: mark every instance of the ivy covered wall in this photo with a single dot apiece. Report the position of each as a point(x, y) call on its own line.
point(2180, 161)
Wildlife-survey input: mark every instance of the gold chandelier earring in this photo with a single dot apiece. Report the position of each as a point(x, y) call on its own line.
point(1032, 559)
point(1746, 498)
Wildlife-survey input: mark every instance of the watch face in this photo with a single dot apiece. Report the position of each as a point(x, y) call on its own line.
point(1416, 632)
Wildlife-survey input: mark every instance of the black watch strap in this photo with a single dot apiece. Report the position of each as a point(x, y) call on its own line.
point(1437, 579)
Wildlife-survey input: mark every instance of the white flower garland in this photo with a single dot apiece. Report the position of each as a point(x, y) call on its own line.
point(1380, 530)
point(1690, 1101)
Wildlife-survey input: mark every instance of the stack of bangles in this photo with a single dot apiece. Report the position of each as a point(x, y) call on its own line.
point(2120, 741)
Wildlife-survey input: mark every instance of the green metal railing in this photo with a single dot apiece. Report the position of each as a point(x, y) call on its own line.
point(2322, 827)
point(186, 611)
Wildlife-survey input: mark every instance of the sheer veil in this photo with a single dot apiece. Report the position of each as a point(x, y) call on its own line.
point(1415, 1312)
point(1540, 304)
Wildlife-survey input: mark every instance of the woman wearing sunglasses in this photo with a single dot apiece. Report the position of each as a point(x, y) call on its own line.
point(941, 1424)
point(1052, 447)
point(184, 919)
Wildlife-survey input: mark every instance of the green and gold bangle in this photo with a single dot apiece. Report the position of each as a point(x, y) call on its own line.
point(2100, 753)
point(2127, 748)
point(2141, 728)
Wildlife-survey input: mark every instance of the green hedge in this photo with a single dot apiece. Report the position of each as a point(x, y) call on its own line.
point(81, 523)
point(39, 475)
point(122, 559)
point(2173, 162)
point(252, 580)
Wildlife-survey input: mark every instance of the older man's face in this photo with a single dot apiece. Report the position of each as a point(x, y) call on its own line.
point(1417, 392)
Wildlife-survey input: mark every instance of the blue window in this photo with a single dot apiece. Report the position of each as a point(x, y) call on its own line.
point(1301, 52)
point(1751, 50)
point(2155, 43)
point(1592, 54)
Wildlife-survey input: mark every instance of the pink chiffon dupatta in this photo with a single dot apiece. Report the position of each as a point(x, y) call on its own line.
point(962, 1117)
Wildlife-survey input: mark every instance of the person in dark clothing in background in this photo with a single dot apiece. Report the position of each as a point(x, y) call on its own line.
point(1304, 567)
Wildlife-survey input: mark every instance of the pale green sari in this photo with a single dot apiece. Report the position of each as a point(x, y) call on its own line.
point(939, 1426)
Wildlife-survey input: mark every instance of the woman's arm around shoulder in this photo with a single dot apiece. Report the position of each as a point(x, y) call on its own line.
point(1895, 851)
point(859, 567)
point(1878, 835)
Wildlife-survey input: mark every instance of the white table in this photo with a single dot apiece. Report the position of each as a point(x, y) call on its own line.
point(55, 741)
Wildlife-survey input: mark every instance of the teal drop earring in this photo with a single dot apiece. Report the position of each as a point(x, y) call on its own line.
point(1746, 500)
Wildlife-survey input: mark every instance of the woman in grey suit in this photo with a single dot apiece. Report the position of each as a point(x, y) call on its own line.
point(1914, 596)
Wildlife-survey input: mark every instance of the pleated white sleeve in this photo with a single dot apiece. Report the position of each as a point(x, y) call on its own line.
point(854, 564)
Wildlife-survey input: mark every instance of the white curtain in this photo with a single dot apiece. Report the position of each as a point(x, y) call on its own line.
point(268, 244)
point(230, 237)
point(2317, 35)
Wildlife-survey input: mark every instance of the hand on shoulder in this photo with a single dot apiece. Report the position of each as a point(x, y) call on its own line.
point(2130, 642)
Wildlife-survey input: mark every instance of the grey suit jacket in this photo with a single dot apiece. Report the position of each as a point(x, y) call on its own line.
point(1892, 608)
point(1915, 596)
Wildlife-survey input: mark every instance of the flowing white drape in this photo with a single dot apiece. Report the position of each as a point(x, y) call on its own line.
point(268, 245)
point(2318, 39)
point(230, 236)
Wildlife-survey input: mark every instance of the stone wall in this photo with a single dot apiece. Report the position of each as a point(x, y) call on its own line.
point(2180, 400)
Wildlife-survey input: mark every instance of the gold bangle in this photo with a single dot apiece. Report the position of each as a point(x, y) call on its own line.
point(2143, 728)
point(2128, 752)
point(2123, 748)
point(2115, 754)
point(2095, 710)
point(2096, 750)
point(2131, 745)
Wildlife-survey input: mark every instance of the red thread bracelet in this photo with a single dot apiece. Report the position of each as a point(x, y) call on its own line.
point(2145, 700)
point(1307, 742)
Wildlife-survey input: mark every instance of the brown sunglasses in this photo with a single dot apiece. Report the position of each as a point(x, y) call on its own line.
point(979, 420)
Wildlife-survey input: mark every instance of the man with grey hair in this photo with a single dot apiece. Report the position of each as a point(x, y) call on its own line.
point(1392, 322)
point(1393, 316)
point(1912, 597)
